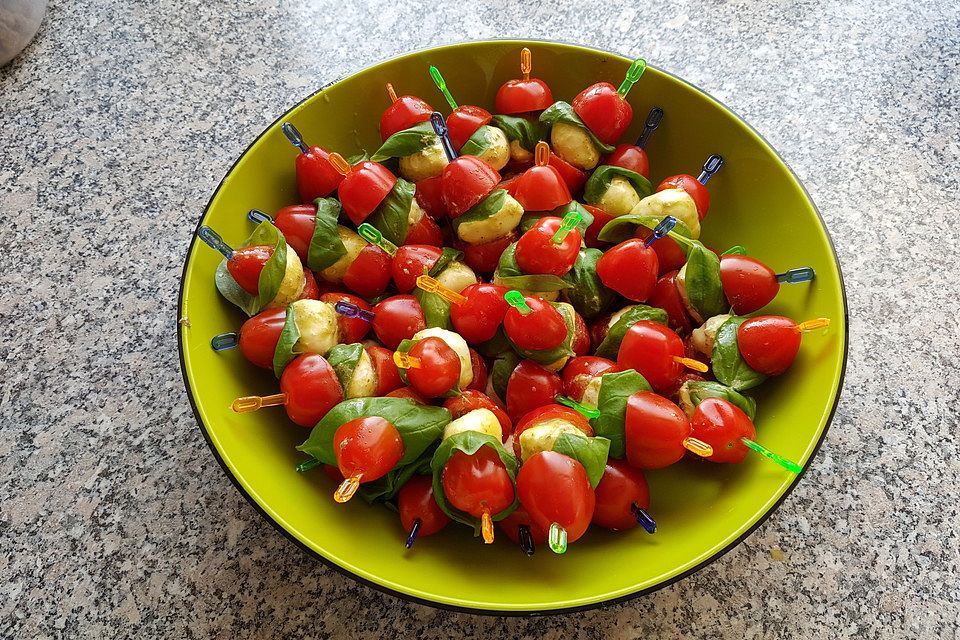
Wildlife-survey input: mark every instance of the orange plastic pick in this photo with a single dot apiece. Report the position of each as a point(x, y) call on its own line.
point(698, 447)
point(810, 325)
point(486, 528)
point(526, 62)
point(247, 404)
point(432, 285)
point(405, 361)
point(347, 488)
point(542, 154)
point(340, 163)
point(391, 93)
point(690, 363)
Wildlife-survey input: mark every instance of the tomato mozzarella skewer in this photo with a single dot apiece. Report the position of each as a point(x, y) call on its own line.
point(604, 109)
point(657, 353)
point(403, 113)
point(731, 434)
point(556, 492)
point(769, 344)
point(634, 156)
point(309, 388)
point(470, 123)
point(316, 176)
point(419, 513)
point(622, 499)
point(257, 338)
point(526, 94)
point(366, 449)
point(749, 285)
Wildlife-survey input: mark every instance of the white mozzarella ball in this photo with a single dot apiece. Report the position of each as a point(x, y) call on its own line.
point(671, 202)
point(456, 342)
point(497, 151)
point(496, 226)
point(317, 323)
point(620, 197)
point(479, 420)
point(519, 154)
point(574, 145)
point(354, 245)
point(543, 436)
point(426, 163)
point(457, 276)
point(363, 382)
point(681, 281)
point(291, 287)
point(703, 337)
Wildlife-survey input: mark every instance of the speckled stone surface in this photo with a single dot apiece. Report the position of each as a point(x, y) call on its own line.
point(117, 123)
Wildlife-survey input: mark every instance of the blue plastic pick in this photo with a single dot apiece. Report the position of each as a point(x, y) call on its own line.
point(653, 121)
point(663, 228)
point(213, 240)
point(800, 274)
point(414, 530)
point(257, 217)
point(644, 519)
point(710, 167)
point(440, 128)
point(224, 341)
point(294, 136)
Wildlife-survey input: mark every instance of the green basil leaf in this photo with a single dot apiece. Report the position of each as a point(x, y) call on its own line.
point(590, 452)
point(500, 372)
point(289, 337)
point(389, 485)
point(495, 346)
point(357, 158)
point(526, 132)
point(735, 250)
point(615, 390)
point(563, 112)
point(699, 390)
point(483, 209)
point(404, 347)
point(509, 275)
point(392, 217)
point(419, 426)
point(702, 282)
point(469, 442)
point(530, 218)
point(344, 359)
point(625, 227)
point(447, 256)
point(325, 245)
point(600, 180)
point(546, 356)
point(610, 346)
point(436, 310)
point(587, 293)
point(729, 366)
point(270, 277)
point(478, 143)
point(406, 142)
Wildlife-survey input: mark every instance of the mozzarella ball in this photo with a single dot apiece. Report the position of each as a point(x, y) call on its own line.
point(354, 245)
point(684, 401)
point(519, 154)
point(556, 365)
point(426, 163)
point(704, 336)
point(479, 420)
point(681, 281)
point(363, 382)
point(549, 296)
point(416, 213)
point(615, 317)
point(292, 284)
point(543, 436)
point(317, 323)
point(591, 393)
point(671, 202)
point(497, 151)
point(620, 197)
point(496, 226)
point(459, 346)
point(457, 276)
point(574, 145)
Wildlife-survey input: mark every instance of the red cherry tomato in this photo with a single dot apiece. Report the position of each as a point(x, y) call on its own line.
point(769, 344)
point(483, 258)
point(580, 372)
point(670, 257)
point(542, 328)
point(424, 232)
point(537, 253)
point(415, 501)
point(519, 517)
point(259, 336)
point(620, 487)
point(316, 177)
point(478, 319)
point(369, 273)
point(574, 178)
point(748, 284)
point(541, 189)
point(722, 424)
point(650, 348)
point(297, 223)
point(472, 399)
point(312, 389)
point(603, 110)
point(554, 488)
point(581, 336)
point(654, 430)
point(370, 446)
point(666, 296)
point(411, 262)
point(697, 191)
point(396, 319)
point(351, 329)
point(464, 121)
point(509, 184)
point(403, 114)
point(311, 291)
point(407, 394)
point(478, 483)
point(530, 386)
point(388, 376)
point(479, 367)
point(465, 182)
point(630, 269)
point(550, 412)
point(523, 96)
point(600, 220)
point(364, 188)
point(429, 195)
point(632, 157)
point(246, 264)
point(440, 367)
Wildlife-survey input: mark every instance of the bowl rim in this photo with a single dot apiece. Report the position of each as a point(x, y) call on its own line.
point(512, 612)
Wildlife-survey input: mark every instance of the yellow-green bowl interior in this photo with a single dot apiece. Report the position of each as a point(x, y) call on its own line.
point(702, 509)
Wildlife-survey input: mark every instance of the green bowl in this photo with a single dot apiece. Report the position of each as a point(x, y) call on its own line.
point(703, 510)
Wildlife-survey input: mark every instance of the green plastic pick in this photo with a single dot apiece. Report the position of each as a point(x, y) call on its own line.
point(557, 539)
point(303, 467)
point(516, 300)
point(568, 224)
point(589, 412)
point(372, 235)
point(442, 85)
point(789, 465)
point(637, 67)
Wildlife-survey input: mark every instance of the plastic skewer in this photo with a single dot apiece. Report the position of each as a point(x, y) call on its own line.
point(351, 310)
point(663, 227)
point(515, 299)
point(589, 412)
point(789, 465)
point(257, 216)
point(486, 528)
point(557, 538)
point(644, 519)
point(442, 85)
point(247, 404)
point(526, 66)
point(414, 530)
point(213, 240)
point(347, 488)
point(636, 69)
point(294, 137)
point(710, 168)
point(653, 121)
point(405, 361)
point(372, 235)
point(690, 363)
point(811, 325)
point(526, 540)
point(440, 128)
point(794, 276)
point(568, 224)
point(307, 465)
point(340, 163)
point(391, 93)
point(699, 447)
point(432, 285)
point(224, 341)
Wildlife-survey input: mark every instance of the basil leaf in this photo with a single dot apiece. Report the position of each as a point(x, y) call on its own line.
point(404, 347)
point(469, 442)
point(509, 275)
point(526, 132)
point(610, 346)
point(495, 346)
point(729, 366)
point(702, 282)
point(482, 210)
point(587, 293)
point(270, 277)
point(419, 426)
point(392, 217)
point(563, 112)
point(699, 390)
point(325, 245)
point(357, 158)
point(590, 452)
point(436, 310)
point(600, 180)
point(289, 337)
point(735, 250)
point(615, 390)
point(547, 356)
point(406, 142)
point(389, 485)
point(531, 218)
point(478, 143)
point(501, 371)
point(344, 359)
point(625, 227)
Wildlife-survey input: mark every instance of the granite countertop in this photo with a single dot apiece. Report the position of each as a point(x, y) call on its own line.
point(117, 123)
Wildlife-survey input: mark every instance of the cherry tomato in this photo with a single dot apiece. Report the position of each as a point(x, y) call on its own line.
point(472, 399)
point(411, 262)
point(555, 488)
point(415, 501)
point(312, 389)
point(407, 393)
point(478, 319)
point(396, 319)
point(297, 224)
point(364, 188)
point(581, 336)
point(259, 336)
point(316, 177)
point(580, 372)
point(388, 375)
point(483, 258)
point(246, 264)
point(650, 349)
point(550, 412)
point(542, 328)
point(541, 189)
point(509, 184)
point(424, 232)
point(311, 291)
point(522, 96)
point(478, 483)
point(440, 367)
point(655, 429)
point(670, 257)
point(632, 157)
point(574, 178)
point(479, 367)
point(370, 446)
point(530, 386)
point(600, 220)
point(769, 344)
point(464, 121)
point(369, 273)
point(722, 424)
point(620, 487)
point(603, 110)
point(429, 195)
point(403, 114)
point(465, 182)
point(600, 328)
point(630, 269)
point(666, 296)
point(748, 284)
point(537, 253)
point(697, 191)
point(519, 517)
point(351, 329)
